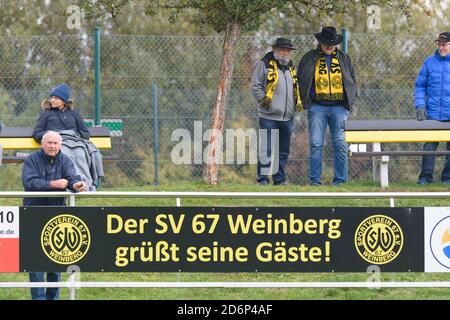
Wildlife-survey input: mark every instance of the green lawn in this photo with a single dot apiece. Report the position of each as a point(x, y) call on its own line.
point(252, 293)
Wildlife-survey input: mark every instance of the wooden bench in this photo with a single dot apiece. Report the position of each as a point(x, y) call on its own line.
point(360, 132)
point(20, 138)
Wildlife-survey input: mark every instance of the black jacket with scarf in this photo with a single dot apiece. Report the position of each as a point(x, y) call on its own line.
point(305, 74)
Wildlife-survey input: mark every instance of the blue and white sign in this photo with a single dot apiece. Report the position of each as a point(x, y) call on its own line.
point(437, 239)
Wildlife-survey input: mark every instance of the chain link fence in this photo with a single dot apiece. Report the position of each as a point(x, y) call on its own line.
point(184, 71)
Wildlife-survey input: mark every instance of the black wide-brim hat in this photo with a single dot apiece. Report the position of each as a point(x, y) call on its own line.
point(283, 43)
point(328, 36)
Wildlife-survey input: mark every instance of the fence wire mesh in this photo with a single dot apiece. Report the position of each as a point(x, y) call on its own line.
point(185, 72)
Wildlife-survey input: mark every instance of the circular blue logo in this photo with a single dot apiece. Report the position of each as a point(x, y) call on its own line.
point(440, 242)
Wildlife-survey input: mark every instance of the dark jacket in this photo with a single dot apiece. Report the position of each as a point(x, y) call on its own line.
point(39, 169)
point(305, 74)
point(56, 120)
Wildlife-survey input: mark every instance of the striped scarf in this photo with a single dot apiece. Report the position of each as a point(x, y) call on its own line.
point(328, 84)
point(272, 80)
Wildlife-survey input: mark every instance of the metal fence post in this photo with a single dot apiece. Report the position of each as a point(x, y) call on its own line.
point(97, 82)
point(73, 271)
point(155, 130)
point(97, 74)
point(344, 40)
point(72, 200)
point(72, 279)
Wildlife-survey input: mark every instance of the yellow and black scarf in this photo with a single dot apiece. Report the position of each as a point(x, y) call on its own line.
point(272, 80)
point(328, 84)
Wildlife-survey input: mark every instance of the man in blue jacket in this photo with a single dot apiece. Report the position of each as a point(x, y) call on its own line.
point(432, 101)
point(49, 170)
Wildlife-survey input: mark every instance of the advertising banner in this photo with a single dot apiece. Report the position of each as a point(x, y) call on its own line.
point(224, 239)
point(9, 239)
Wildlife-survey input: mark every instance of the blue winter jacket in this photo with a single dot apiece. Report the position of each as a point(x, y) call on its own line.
point(432, 88)
point(39, 169)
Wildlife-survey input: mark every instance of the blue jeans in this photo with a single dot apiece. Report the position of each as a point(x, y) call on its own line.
point(45, 293)
point(284, 143)
point(426, 174)
point(318, 118)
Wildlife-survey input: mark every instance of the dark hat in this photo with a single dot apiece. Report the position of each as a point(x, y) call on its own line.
point(328, 36)
point(443, 37)
point(61, 91)
point(283, 43)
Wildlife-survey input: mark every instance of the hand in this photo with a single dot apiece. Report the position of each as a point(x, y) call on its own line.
point(266, 103)
point(59, 184)
point(421, 114)
point(80, 186)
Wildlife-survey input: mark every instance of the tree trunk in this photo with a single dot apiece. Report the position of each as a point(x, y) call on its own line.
point(233, 33)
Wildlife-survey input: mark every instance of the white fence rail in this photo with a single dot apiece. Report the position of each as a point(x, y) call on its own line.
point(311, 284)
point(234, 195)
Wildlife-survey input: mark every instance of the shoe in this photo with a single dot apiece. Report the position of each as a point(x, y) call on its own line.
point(315, 184)
point(337, 184)
point(282, 183)
point(263, 183)
point(422, 182)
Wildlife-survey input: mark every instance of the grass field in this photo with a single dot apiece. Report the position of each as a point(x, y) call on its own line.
point(252, 293)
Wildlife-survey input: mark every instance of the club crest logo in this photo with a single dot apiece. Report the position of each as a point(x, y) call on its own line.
point(379, 239)
point(65, 239)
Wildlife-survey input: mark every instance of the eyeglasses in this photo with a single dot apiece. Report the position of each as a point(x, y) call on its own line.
point(442, 44)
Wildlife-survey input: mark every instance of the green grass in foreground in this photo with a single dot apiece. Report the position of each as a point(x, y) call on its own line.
point(252, 293)
point(244, 293)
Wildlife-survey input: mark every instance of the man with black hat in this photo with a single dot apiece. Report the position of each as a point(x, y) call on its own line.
point(432, 102)
point(328, 89)
point(275, 87)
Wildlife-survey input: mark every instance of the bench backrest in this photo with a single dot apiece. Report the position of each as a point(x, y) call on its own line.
point(21, 138)
point(364, 131)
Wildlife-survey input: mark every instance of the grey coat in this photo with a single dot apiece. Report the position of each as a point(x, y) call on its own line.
point(305, 74)
point(283, 105)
